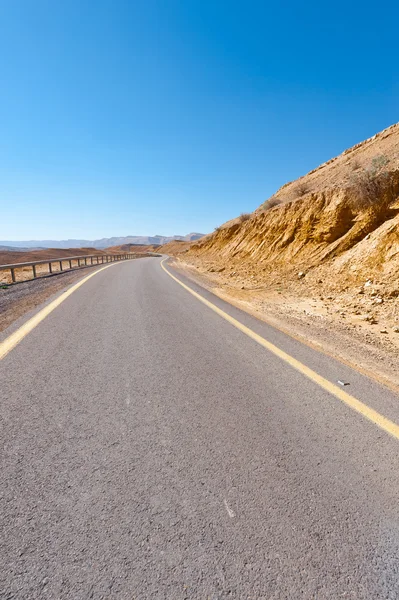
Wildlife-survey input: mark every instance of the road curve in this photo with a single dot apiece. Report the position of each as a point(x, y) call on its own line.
point(151, 450)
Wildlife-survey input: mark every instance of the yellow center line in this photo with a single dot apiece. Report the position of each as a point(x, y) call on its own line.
point(355, 404)
point(9, 343)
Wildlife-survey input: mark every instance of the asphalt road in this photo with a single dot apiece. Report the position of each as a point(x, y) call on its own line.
point(151, 450)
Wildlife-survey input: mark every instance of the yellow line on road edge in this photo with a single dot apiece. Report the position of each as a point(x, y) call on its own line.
point(14, 339)
point(355, 404)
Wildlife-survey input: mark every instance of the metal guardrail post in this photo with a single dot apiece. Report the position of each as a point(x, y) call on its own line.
point(72, 261)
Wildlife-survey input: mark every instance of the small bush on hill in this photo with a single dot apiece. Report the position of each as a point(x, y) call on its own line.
point(374, 187)
point(244, 217)
point(270, 203)
point(302, 189)
point(378, 163)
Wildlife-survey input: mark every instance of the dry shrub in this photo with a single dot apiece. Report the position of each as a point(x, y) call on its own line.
point(244, 217)
point(271, 203)
point(302, 189)
point(378, 163)
point(374, 189)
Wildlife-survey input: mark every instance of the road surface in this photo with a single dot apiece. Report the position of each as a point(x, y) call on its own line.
point(152, 450)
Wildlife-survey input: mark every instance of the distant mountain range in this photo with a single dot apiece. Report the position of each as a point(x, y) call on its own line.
point(155, 240)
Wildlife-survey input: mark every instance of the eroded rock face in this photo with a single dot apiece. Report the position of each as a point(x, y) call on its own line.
point(315, 230)
point(340, 221)
point(337, 244)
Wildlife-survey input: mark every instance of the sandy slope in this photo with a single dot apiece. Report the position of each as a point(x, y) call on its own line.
point(136, 248)
point(174, 248)
point(329, 249)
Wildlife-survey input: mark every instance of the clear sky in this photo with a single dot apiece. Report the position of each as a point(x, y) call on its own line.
point(144, 117)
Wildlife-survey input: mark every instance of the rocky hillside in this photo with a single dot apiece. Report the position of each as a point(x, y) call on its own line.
point(132, 248)
point(175, 247)
point(339, 223)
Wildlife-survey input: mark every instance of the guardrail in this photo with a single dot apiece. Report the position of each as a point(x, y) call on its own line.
point(100, 259)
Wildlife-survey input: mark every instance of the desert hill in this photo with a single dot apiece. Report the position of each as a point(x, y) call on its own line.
point(174, 247)
point(132, 248)
point(325, 246)
point(343, 216)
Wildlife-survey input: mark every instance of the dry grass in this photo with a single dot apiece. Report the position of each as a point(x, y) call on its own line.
point(301, 189)
point(270, 203)
point(375, 187)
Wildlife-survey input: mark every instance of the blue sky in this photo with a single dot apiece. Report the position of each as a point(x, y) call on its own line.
point(143, 117)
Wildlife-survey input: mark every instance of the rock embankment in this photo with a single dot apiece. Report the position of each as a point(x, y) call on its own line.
point(326, 245)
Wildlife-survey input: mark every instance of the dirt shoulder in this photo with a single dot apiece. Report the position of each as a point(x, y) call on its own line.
point(351, 330)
